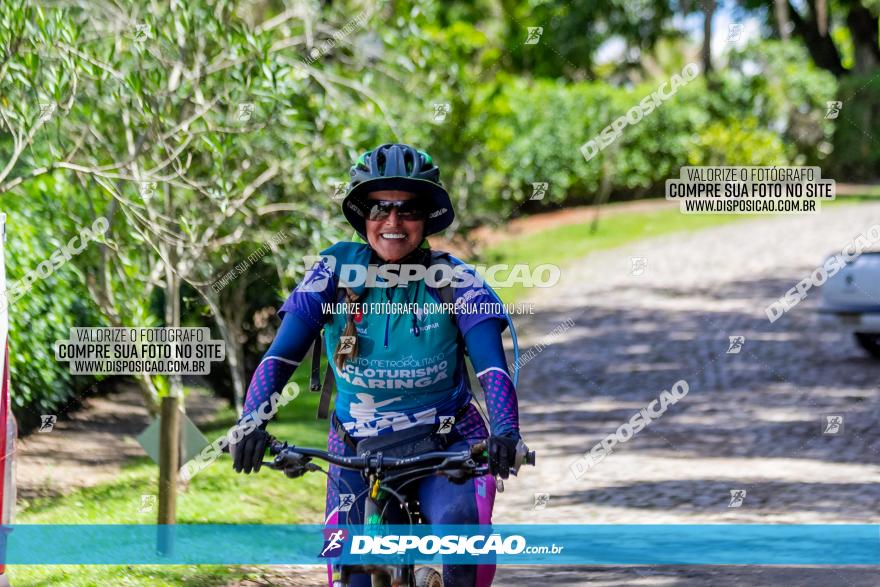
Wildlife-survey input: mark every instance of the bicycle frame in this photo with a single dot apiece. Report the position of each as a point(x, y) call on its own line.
point(402, 575)
point(388, 575)
point(380, 470)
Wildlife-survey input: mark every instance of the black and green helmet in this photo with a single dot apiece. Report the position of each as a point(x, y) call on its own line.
point(397, 167)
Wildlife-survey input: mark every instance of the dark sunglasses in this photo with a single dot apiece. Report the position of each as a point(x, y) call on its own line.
point(406, 209)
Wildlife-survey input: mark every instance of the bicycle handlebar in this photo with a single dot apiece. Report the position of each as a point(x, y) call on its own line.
point(296, 460)
point(292, 457)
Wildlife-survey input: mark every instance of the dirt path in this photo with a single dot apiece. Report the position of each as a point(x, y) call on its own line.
point(90, 447)
point(518, 227)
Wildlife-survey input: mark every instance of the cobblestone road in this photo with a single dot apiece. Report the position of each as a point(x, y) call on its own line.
point(751, 420)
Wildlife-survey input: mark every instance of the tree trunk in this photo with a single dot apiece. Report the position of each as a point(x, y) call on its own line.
point(822, 17)
point(782, 18)
point(149, 394)
point(235, 357)
point(863, 29)
point(706, 53)
point(821, 48)
point(232, 336)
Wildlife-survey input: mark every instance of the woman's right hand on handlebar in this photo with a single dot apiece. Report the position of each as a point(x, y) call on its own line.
point(247, 453)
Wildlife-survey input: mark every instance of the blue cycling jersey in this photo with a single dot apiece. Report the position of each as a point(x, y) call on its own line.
point(409, 368)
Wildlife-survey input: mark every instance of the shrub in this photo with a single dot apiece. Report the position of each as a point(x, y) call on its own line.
point(736, 142)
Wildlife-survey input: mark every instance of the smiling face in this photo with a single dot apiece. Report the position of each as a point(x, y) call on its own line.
point(393, 238)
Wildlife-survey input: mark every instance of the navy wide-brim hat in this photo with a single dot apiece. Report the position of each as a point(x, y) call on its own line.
point(397, 167)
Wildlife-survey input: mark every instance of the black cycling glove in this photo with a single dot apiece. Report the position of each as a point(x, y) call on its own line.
point(502, 453)
point(247, 453)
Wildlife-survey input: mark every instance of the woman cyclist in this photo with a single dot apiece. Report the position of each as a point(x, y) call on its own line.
point(397, 370)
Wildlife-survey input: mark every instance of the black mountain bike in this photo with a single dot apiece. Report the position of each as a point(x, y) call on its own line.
point(385, 476)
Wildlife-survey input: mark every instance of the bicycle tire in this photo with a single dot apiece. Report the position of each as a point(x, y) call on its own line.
point(870, 342)
point(428, 577)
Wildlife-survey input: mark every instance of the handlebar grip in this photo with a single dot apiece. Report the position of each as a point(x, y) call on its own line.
point(530, 458)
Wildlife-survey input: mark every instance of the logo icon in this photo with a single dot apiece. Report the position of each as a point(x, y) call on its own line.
point(833, 425)
point(346, 500)
point(541, 501)
point(832, 109)
point(446, 423)
point(47, 422)
point(141, 32)
point(736, 344)
point(440, 111)
point(245, 111)
point(317, 278)
point(148, 188)
point(734, 32)
point(639, 265)
point(334, 541)
point(346, 344)
point(148, 502)
point(339, 189)
point(539, 190)
point(534, 35)
point(737, 497)
point(46, 111)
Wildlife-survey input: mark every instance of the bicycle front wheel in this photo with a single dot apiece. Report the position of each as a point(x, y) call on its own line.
point(428, 577)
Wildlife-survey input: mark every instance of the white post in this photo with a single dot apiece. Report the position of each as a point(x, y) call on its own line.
point(8, 430)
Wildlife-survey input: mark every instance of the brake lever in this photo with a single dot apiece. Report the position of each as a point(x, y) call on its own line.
point(293, 466)
point(294, 472)
point(290, 459)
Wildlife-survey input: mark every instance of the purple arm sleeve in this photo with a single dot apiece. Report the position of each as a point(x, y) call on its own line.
point(291, 344)
point(302, 316)
point(484, 345)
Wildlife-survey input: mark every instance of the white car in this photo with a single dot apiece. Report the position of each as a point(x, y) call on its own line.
point(851, 301)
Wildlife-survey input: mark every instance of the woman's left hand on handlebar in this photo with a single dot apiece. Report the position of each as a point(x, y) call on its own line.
point(502, 453)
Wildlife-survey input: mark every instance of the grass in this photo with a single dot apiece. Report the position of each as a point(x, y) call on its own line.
point(217, 495)
point(567, 244)
point(854, 199)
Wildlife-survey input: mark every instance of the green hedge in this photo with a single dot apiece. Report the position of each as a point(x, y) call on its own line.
point(525, 144)
point(44, 314)
point(767, 108)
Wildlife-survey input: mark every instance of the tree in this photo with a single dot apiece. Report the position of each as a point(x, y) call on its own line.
point(194, 125)
point(812, 22)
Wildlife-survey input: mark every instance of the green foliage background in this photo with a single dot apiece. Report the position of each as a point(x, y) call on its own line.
point(518, 114)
